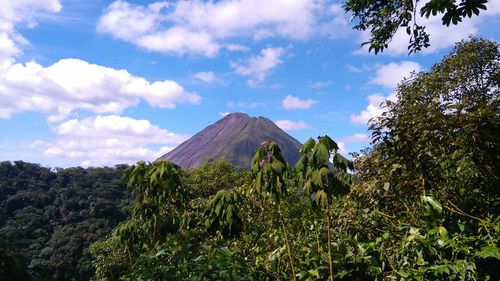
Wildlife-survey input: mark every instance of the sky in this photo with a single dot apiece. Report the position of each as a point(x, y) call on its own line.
point(97, 82)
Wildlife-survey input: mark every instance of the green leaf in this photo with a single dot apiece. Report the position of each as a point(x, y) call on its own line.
point(320, 154)
point(229, 213)
point(259, 155)
point(329, 143)
point(301, 164)
point(434, 203)
point(442, 231)
point(308, 187)
point(218, 210)
point(313, 272)
point(259, 181)
point(321, 198)
point(308, 146)
point(276, 151)
point(318, 177)
point(277, 166)
point(489, 251)
point(342, 163)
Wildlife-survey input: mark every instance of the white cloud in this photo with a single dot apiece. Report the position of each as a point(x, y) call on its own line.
point(288, 125)
point(208, 77)
point(356, 138)
point(342, 148)
point(354, 69)
point(292, 102)
point(8, 48)
point(203, 27)
point(258, 67)
point(181, 41)
point(388, 76)
point(236, 48)
point(26, 11)
point(372, 110)
point(72, 84)
point(338, 23)
point(223, 114)
point(284, 18)
point(441, 36)
point(127, 21)
point(14, 13)
point(391, 74)
point(109, 140)
point(346, 142)
point(363, 68)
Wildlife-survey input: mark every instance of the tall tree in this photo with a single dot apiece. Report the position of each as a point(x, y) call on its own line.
point(442, 134)
point(384, 18)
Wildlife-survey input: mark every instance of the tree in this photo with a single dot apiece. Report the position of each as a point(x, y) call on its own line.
point(48, 219)
point(322, 179)
point(439, 141)
point(271, 174)
point(384, 18)
point(12, 263)
point(430, 181)
point(442, 134)
point(213, 176)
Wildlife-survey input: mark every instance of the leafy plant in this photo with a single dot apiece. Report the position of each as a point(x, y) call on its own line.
point(322, 179)
point(384, 18)
point(271, 174)
point(223, 213)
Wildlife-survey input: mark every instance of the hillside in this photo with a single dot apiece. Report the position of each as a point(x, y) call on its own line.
point(235, 137)
point(49, 218)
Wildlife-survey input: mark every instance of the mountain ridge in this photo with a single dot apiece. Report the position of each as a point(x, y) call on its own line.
point(235, 137)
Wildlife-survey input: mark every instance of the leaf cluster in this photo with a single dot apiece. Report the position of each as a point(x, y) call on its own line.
point(384, 18)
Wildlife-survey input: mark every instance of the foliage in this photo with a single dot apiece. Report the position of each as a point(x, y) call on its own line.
point(384, 18)
point(176, 250)
point(433, 169)
point(321, 178)
point(421, 204)
point(212, 176)
point(223, 213)
point(441, 137)
point(270, 171)
point(12, 264)
point(49, 218)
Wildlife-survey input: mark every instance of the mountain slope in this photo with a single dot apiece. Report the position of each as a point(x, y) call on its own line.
point(235, 137)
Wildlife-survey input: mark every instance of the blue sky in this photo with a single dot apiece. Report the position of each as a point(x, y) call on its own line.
point(95, 83)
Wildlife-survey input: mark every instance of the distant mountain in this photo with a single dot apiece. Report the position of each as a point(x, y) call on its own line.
point(236, 137)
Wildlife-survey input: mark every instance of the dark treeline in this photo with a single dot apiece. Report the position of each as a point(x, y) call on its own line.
point(48, 218)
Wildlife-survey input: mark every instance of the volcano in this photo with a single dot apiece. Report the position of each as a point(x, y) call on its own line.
point(235, 137)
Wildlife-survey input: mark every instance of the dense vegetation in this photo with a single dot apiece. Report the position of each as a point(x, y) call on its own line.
point(49, 218)
point(422, 203)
